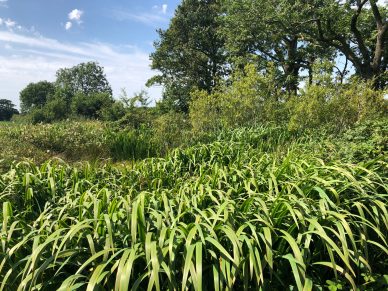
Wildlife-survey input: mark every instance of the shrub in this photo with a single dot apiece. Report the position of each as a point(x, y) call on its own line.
point(114, 112)
point(250, 97)
point(337, 107)
point(90, 106)
point(137, 118)
point(170, 130)
point(55, 110)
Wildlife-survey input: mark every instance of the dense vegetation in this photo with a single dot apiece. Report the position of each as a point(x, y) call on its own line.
point(248, 209)
point(263, 167)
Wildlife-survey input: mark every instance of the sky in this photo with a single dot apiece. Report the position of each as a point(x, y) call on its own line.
point(38, 37)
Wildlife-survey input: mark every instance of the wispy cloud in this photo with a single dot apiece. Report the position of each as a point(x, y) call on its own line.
point(160, 9)
point(34, 58)
point(9, 23)
point(155, 17)
point(145, 18)
point(3, 3)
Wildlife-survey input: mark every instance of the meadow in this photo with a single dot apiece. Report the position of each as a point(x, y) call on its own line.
point(246, 209)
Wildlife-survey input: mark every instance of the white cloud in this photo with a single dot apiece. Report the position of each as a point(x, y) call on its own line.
point(68, 25)
point(9, 23)
point(1, 21)
point(164, 8)
point(3, 3)
point(34, 58)
point(76, 15)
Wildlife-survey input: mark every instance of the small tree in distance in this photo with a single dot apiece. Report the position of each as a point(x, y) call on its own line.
point(36, 95)
point(86, 78)
point(7, 110)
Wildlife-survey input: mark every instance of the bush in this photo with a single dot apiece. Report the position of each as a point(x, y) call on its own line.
point(137, 118)
point(37, 115)
point(251, 97)
point(114, 112)
point(91, 105)
point(337, 107)
point(55, 110)
point(170, 130)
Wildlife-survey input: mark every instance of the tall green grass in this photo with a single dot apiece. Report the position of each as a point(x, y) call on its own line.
point(222, 216)
point(132, 145)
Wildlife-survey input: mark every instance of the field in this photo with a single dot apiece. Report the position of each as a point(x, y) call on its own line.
point(249, 209)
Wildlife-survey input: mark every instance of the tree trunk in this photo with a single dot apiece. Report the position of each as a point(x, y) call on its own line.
point(291, 66)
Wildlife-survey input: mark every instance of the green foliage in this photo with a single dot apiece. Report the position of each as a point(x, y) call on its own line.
point(132, 145)
point(170, 130)
point(137, 114)
point(7, 110)
point(140, 99)
point(229, 215)
point(137, 118)
point(251, 97)
point(91, 105)
point(71, 141)
point(336, 106)
point(114, 112)
point(83, 88)
point(189, 53)
point(262, 31)
point(368, 140)
point(35, 95)
point(86, 78)
point(54, 110)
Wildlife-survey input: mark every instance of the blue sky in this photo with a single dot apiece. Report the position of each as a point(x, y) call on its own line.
point(37, 37)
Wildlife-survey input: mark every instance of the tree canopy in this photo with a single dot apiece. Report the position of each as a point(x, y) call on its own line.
point(82, 90)
point(36, 95)
point(190, 53)
point(207, 40)
point(85, 78)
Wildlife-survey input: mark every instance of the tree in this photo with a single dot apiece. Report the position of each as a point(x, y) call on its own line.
point(35, 95)
point(86, 78)
point(190, 53)
point(262, 31)
point(85, 88)
point(7, 110)
point(356, 28)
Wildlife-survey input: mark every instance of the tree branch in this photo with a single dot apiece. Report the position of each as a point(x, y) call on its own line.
point(376, 14)
point(353, 27)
